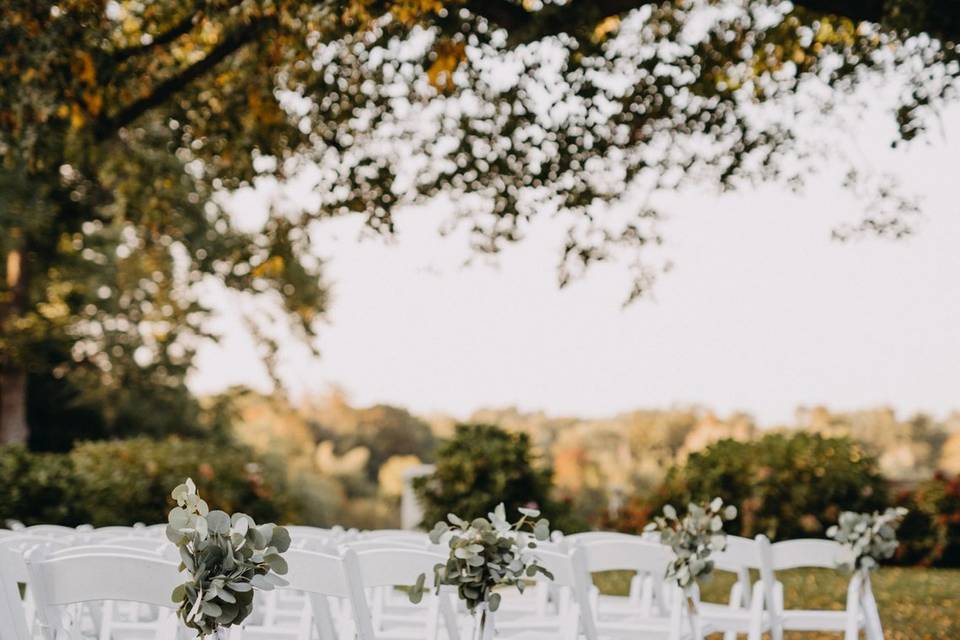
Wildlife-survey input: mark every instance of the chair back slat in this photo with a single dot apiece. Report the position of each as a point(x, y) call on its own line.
point(631, 554)
point(316, 572)
point(795, 554)
point(68, 579)
point(373, 544)
point(560, 565)
point(740, 553)
point(396, 566)
point(589, 537)
point(51, 530)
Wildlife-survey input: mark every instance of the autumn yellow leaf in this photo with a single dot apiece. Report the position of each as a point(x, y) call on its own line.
point(449, 55)
point(84, 68)
point(76, 116)
point(272, 268)
point(409, 11)
point(605, 28)
point(93, 100)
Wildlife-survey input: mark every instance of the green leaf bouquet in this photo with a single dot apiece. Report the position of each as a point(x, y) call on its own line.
point(487, 553)
point(226, 557)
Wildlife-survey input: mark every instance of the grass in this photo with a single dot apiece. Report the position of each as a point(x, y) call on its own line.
point(915, 604)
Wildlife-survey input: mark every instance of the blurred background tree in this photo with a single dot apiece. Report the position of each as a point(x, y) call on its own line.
point(482, 466)
point(783, 485)
point(123, 124)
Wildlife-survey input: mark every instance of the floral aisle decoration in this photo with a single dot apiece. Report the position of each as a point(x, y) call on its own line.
point(485, 554)
point(867, 538)
point(693, 537)
point(225, 557)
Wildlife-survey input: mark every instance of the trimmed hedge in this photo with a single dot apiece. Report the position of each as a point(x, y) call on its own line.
point(795, 486)
point(125, 481)
point(784, 486)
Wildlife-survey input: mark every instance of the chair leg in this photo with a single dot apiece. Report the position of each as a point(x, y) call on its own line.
point(854, 606)
point(736, 601)
point(871, 614)
point(449, 615)
point(755, 631)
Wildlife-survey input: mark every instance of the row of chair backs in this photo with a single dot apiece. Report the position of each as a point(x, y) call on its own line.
point(89, 573)
point(124, 565)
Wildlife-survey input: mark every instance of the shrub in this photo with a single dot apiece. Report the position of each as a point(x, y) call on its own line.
point(482, 466)
point(930, 534)
point(785, 486)
point(127, 481)
point(38, 488)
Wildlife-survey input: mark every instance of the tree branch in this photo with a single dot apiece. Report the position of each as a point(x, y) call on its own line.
point(109, 126)
point(182, 27)
point(939, 18)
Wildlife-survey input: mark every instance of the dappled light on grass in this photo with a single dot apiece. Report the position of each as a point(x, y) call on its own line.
point(915, 603)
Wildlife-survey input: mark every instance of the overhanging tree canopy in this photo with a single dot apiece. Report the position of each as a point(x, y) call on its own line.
point(121, 121)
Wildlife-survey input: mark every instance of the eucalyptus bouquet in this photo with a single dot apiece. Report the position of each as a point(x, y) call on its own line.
point(484, 554)
point(226, 558)
point(867, 538)
point(693, 538)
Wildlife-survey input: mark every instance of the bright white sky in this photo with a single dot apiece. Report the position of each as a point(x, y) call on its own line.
point(763, 311)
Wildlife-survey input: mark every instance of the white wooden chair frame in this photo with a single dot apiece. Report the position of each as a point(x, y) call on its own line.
point(860, 612)
point(61, 580)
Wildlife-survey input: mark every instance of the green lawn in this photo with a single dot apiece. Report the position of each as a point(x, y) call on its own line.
point(915, 604)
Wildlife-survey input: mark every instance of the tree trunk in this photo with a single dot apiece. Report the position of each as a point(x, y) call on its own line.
point(13, 406)
point(13, 376)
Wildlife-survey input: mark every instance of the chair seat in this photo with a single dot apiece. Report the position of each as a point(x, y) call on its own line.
point(644, 627)
point(815, 620)
point(723, 617)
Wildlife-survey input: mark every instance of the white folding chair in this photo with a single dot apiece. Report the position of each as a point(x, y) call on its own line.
point(323, 579)
point(18, 614)
point(744, 611)
point(662, 612)
point(860, 612)
point(387, 568)
point(110, 617)
point(638, 582)
point(563, 620)
point(61, 582)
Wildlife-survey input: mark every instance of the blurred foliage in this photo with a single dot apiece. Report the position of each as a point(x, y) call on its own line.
point(383, 430)
point(482, 466)
point(346, 460)
point(600, 463)
point(124, 123)
point(784, 486)
point(38, 488)
point(126, 481)
point(62, 411)
point(906, 450)
point(930, 534)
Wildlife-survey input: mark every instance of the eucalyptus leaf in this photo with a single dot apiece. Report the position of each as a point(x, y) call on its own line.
point(280, 539)
point(218, 522)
